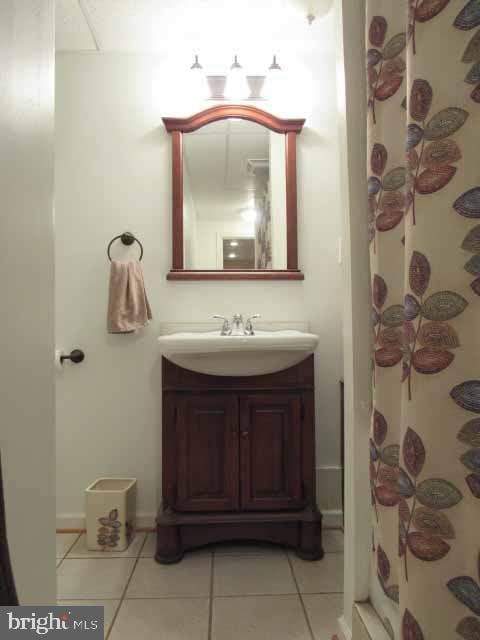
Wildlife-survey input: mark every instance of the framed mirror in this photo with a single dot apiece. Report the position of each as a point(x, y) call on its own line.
point(234, 195)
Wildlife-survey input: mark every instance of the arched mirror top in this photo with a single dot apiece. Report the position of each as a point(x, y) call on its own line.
point(234, 195)
point(242, 112)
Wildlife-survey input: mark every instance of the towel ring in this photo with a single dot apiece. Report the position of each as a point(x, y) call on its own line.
point(127, 239)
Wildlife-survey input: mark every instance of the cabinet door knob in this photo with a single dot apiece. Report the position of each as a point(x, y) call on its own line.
point(245, 434)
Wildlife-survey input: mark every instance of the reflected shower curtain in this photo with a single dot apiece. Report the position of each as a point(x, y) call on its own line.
point(423, 67)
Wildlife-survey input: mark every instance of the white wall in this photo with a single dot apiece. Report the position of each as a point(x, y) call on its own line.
point(112, 174)
point(27, 432)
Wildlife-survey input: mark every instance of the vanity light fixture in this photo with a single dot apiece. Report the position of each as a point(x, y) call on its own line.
point(236, 85)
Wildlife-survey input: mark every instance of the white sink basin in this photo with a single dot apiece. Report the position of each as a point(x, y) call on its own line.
point(214, 354)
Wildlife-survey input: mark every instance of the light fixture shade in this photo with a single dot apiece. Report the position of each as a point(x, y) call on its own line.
point(255, 85)
point(216, 85)
point(313, 9)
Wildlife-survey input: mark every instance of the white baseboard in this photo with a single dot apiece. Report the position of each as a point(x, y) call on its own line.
point(77, 521)
point(332, 519)
point(345, 630)
point(329, 500)
point(329, 488)
point(367, 624)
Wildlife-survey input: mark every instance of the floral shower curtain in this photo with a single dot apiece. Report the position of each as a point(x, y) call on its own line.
point(423, 67)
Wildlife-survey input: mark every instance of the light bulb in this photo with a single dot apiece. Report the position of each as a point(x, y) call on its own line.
point(236, 81)
point(234, 243)
point(249, 215)
point(232, 255)
point(274, 79)
point(197, 80)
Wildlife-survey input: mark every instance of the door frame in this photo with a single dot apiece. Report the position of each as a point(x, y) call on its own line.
point(349, 31)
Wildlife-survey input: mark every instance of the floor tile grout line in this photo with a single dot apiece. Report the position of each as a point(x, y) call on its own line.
point(69, 549)
point(210, 603)
point(122, 598)
point(302, 604)
point(204, 597)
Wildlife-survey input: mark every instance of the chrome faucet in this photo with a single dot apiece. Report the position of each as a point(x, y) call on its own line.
point(237, 327)
point(226, 330)
point(249, 326)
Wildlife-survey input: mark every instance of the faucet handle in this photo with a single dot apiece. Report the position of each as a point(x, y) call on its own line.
point(226, 325)
point(249, 326)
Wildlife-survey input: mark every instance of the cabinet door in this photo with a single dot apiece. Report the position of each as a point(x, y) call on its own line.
point(270, 452)
point(206, 435)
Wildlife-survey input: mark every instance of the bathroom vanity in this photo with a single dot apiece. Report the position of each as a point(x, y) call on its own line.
point(238, 404)
point(238, 460)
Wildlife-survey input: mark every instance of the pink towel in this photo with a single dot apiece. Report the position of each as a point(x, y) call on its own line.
point(128, 308)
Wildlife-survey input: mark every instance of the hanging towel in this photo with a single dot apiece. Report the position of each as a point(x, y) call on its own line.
point(128, 307)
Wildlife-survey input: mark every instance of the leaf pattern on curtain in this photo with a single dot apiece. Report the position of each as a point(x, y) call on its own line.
point(386, 198)
point(385, 67)
point(428, 345)
point(431, 168)
point(467, 19)
point(468, 205)
point(469, 435)
point(411, 630)
point(424, 529)
point(467, 396)
point(420, 12)
point(383, 466)
point(467, 591)
point(383, 575)
point(387, 325)
point(424, 189)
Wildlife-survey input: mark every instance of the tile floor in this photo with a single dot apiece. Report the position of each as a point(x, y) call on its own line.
point(225, 592)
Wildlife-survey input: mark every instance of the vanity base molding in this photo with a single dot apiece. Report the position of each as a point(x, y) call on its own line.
point(179, 532)
point(238, 461)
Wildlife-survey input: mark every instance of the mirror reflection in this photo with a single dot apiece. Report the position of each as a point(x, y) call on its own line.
point(234, 197)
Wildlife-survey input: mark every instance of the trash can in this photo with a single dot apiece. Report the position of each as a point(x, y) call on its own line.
point(111, 510)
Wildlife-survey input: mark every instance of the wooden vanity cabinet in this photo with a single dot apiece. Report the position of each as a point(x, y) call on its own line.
point(238, 461)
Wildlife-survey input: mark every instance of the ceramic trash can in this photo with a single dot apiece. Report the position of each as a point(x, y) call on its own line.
point(111, 509)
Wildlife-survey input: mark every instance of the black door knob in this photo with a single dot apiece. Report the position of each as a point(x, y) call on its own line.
point(75, 356)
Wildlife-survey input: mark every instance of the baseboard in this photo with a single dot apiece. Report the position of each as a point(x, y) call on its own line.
point(329, 488)
point(367, 624)
point(329, 500)
point(345, 630)
point(71, 522)
point(332, 519)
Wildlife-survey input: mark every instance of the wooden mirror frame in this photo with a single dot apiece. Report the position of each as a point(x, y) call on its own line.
point(290, 128)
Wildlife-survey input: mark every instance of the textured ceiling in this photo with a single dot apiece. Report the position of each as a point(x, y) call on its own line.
point(216, 160)
point(167, 25)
